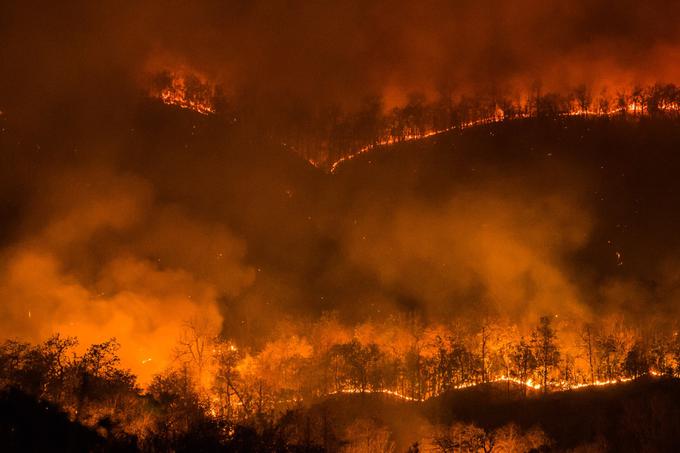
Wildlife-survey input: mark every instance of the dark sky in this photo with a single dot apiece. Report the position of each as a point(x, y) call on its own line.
point(121, 216)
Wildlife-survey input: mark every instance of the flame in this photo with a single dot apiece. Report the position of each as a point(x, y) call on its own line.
point(379, 391)
point(557, 386)
point(179, 92)
point(634, 108)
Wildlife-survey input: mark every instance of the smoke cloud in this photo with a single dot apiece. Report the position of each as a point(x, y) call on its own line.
point(124, 217)
point(108, 260)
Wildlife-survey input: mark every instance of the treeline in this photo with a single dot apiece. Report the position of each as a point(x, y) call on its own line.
point(228, 393)
point(416, 361)
point(54, 399)
point(325, 134)
point(332, 135)
point(468, 437)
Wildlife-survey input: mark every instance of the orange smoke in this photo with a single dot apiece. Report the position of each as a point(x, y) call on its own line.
point(142, 292)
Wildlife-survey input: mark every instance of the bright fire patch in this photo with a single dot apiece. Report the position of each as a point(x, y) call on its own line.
point(186, 91)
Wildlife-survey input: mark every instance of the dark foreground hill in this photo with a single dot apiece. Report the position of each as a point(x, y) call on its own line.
point(639, 416)
point(631, 417)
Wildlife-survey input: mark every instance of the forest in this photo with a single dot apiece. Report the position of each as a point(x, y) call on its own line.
point(330, 136)
point(233, 393)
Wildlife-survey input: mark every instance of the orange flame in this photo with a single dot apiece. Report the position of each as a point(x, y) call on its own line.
point(498, 116)
point(180, 93)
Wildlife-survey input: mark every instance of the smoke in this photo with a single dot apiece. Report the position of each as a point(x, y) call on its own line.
point(120, 218)
point(108, 260)
point(269, 54)
point(477, 252)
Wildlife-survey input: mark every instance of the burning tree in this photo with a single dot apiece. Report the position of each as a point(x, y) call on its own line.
point(524, 362)
point(546, 351)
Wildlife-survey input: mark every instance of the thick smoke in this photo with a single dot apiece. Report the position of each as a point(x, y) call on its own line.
point(478, 252)
point(108, 260)
point(123, 218)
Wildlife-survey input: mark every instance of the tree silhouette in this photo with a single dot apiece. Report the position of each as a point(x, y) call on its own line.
point(544, 341)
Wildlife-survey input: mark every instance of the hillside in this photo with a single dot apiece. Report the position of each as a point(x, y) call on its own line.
point(632, 417)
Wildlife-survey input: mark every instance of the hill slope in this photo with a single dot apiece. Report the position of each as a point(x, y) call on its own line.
point(639, 416)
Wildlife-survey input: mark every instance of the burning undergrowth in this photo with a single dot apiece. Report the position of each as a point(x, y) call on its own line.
point(184, 90)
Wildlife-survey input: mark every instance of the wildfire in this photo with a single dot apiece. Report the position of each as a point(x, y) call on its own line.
point(190, 91)
point(391, 140)
point(497, 117)
point(187, 92)
point(379, 391)
point(569, 386)
point(633, 108)
point(559, 386)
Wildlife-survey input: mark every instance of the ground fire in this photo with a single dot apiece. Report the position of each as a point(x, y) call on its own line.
point(186, 91)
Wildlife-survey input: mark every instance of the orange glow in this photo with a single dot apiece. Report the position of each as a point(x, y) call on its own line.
point(180, 92)
point(556, 386)
point(632, 108)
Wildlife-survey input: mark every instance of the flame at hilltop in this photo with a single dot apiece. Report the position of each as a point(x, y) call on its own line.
point(187, 91)
point(419, 119)
point(653, 100)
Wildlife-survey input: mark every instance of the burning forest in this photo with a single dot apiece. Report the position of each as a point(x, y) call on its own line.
point(340, 227)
